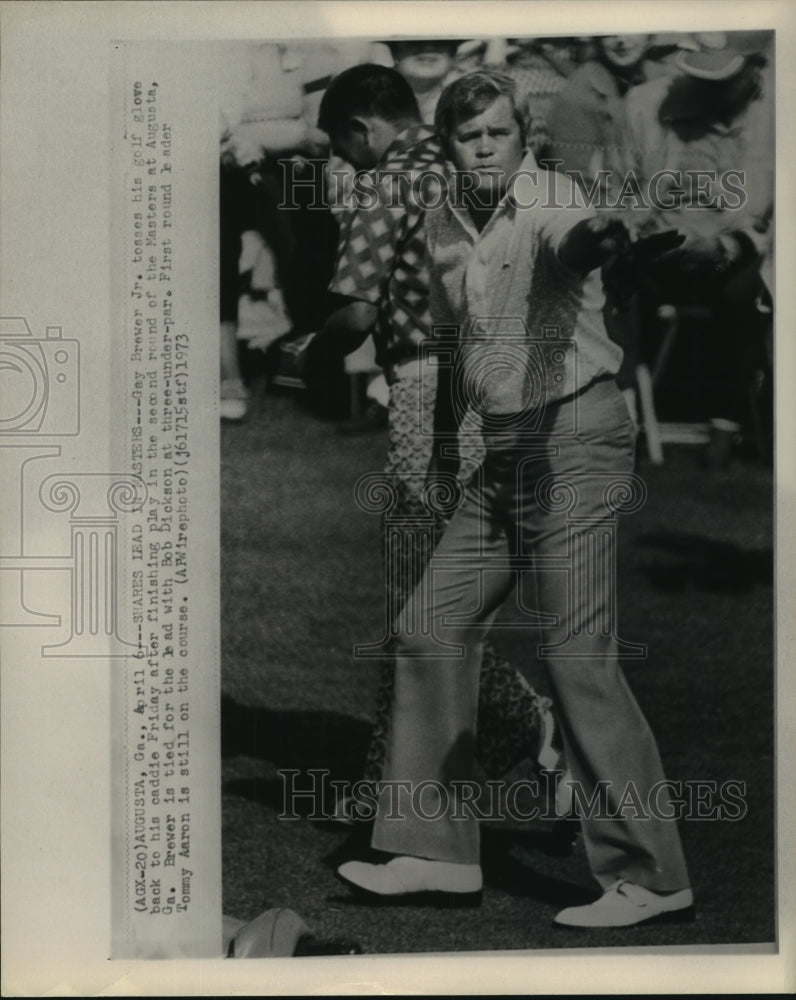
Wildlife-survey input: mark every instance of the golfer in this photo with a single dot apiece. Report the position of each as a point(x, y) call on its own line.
point(513, 258)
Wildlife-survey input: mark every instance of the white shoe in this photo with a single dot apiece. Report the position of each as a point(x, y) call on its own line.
point(234, 402)
point(626, 904)
point(404, 879)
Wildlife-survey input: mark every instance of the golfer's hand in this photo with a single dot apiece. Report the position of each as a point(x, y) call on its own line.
point(592, 241)
point(658, 246)
point(624, 272)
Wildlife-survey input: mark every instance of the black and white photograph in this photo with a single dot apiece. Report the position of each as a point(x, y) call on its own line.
point(397, 449)
point(497, 493)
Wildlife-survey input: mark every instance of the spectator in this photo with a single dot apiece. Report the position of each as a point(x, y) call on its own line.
point(539, 68)
point(427, 66)
point(701, 148)
point(586, 116)
point(261, 120)
point(586, 139)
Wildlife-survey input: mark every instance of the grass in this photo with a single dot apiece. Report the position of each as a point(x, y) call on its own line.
point(301, 584)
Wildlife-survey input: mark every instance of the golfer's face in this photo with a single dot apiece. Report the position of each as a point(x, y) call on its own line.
point(489, 145)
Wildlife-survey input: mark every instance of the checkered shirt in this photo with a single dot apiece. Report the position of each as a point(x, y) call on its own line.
point(537, 85)
point(382, 248)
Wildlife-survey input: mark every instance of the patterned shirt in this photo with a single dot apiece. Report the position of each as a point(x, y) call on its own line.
point(537, 85)
point(586, 121)
point(382, 249)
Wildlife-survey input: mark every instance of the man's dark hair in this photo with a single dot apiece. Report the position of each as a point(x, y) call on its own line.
point(367, 89)
point(470, 95)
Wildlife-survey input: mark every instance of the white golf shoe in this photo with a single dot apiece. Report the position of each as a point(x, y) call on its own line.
point(626, 904)
point(406, 880)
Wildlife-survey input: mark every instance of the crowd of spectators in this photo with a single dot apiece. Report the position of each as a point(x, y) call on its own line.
point(671, 132)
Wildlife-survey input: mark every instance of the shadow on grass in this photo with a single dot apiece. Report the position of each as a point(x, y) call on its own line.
point(705, 564)
point(295, 739)
point(312, 747)
point(503, 871)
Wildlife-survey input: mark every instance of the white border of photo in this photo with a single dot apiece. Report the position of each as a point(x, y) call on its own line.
point(57, 123)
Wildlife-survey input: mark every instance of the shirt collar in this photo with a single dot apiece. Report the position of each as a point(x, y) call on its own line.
point(617, 82)
point(528, 173)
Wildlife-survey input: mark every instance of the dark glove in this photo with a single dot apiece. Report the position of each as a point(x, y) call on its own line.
point(591, 242)
point(623, 274)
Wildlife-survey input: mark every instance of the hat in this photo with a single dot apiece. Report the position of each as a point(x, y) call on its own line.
point(471, 46)
point(673, 40)
point(452, 43)
point(711, 64)
point(711, 39)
